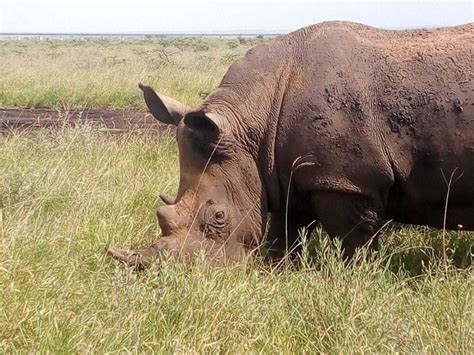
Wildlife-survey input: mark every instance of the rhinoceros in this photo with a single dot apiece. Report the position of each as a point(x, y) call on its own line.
point(337, 123)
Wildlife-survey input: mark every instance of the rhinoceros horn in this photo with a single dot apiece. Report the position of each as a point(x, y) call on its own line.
point(163, 108)
point(139, 259)
point(169, 200)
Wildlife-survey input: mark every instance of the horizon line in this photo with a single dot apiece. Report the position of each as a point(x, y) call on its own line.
point(216, 32)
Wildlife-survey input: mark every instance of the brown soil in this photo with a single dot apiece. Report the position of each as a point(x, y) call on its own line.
point(116, 121)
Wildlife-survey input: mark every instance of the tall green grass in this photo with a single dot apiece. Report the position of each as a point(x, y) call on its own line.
point(105, 74)
point(66, 194)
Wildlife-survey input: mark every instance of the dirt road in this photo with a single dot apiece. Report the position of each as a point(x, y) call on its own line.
point(13, 119)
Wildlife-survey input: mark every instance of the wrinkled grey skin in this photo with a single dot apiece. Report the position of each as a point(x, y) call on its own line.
point(338, 123)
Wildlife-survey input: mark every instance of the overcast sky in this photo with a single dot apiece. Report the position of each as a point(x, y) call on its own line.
point(123, 16)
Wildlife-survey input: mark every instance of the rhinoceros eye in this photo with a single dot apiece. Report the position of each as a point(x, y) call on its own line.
point(215, 221)
point(219, 215)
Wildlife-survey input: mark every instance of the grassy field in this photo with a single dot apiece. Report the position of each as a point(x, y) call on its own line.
point(66, 194)
point(105, 74)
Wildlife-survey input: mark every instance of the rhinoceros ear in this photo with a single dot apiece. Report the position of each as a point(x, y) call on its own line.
point(204, 126)
point(163, 108)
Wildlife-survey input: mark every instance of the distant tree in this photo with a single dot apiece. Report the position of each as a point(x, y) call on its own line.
point(242, 40)
point(232, 44)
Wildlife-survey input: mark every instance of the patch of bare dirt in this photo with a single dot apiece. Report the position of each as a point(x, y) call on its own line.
point(115, 121)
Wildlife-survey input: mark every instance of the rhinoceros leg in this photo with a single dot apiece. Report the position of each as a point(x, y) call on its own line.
point(355, 219)
point(283, 233)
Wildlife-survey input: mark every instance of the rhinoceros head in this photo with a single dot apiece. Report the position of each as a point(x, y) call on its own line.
point(219, 209)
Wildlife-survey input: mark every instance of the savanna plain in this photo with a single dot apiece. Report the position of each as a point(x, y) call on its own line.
point(66, 193)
